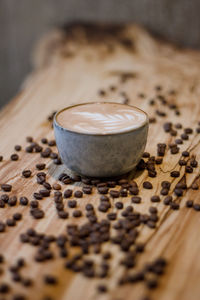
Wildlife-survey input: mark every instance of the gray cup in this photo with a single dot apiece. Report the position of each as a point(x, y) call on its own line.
point(100, 155)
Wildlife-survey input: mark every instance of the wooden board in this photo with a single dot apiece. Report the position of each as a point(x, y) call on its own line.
point(71, 67)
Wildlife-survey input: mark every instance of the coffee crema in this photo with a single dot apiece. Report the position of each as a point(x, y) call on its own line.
point(101, 118)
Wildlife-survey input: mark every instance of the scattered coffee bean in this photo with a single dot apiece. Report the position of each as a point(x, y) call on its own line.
point(167, 200)
point(182, 162)
point(114, 193)
point(188, 169)
point(155, 198)
point(195, 186)
point(26, 173)
point(77, 213)
point(147, 185)
point(50, 279)
point(52, 143)
point(37, 213)
point(40, 166)
point(184, 136)
point(6, 187)
point(185, 153)
point(175, 174)
point(63, 214)
point(196, 206)
point(18, 148)
point(174, 205)
point(178, 192)
point(189, 203)
point(102, 288)
point(56, 186)
point(67, 193)
point(47, 185)
point(17, 216)
point(136, 199)
point(119, 205)
point(14, 157)
point(72, 203)
point(10, 222)
point(12, 201)
point(37, 196)
point(78, 194)
point(87, 190)
point(103, 190)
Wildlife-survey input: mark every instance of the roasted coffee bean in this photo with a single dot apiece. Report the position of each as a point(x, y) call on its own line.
point(133, 190)
point(198, 130)
point(23, 200)
point(57, 161)
point(38, 148)
point(29, 139)
point(123, 193)
point(185, 153)
point(196, 206)
point(50, 279)
point(14, 157)
point(188, 169)
point(59, 206)
point(87, 190)
point(174, 205)
point(160, 113)
point(78, 194)
point(4, 198)
point(2, 226)
point(72, 203)
point(147, 185)
point(6, 187)
point(34, 204)
point(10, 222)
point(188, 130)
point(184, 136)
point(167, 126)
point(40, 166)
point(161, 149)
point(46, 152)
point(152, 120)
point(31, 232)
point(104, 207)
point(189, 203)
point(1, 158)
point(178, 126)
point(53, 155)
point(89, 207)
point(181, 185)
point(4, 288)
point(18, 148)
point(104, 198)
point(178, 192)
point(178, 141)
point(136, 199)
point(146, 154)
point(174, 150)
point(77, 213)
point(52, 143)
point(47, 185)
point(56, 186)
point(195, 186)
point(37, 213)
point(29, 149)
point(2, 204)
point(175, 174)
point(27, 282)
point(114, 193)
point(166, 184)
point(182, 162)
point(12, 201)
point(67, 193)
point(155, 198)
point(17, 216)
point(24, 238)
point(193, 163)
point(37, 196)
point(26, 173)
point(167, 200)
point(101, 288)
point(173, 132)
point(151, 283)
point(63, 214)
point(41, 179)
point(153, 210)
point(152, 173)
point(103, 190)
point(44, 141)
point(158, 160)
point(112, 216)
point(119, 205)
point(151, 224)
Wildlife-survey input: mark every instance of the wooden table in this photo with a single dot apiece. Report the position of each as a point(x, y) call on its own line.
point(72, 66)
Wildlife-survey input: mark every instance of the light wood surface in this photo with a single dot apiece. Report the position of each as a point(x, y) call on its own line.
point(70, 71)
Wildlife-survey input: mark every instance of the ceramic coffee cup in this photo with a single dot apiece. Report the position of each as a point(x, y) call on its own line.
point(100, 155)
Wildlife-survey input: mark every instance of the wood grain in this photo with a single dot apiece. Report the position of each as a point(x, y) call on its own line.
point(72, 69)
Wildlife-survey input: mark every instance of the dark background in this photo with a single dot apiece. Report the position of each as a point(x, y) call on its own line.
point(23, 22)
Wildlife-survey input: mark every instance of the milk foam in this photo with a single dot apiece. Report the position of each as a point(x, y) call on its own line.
point(101, 118)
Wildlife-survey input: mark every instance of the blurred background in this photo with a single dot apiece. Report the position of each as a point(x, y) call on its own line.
point(23, 22)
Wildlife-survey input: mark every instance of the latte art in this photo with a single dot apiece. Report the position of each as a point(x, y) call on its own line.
point(101, 118)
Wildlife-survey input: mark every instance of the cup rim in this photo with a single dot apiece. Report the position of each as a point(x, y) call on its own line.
point(99, 134)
